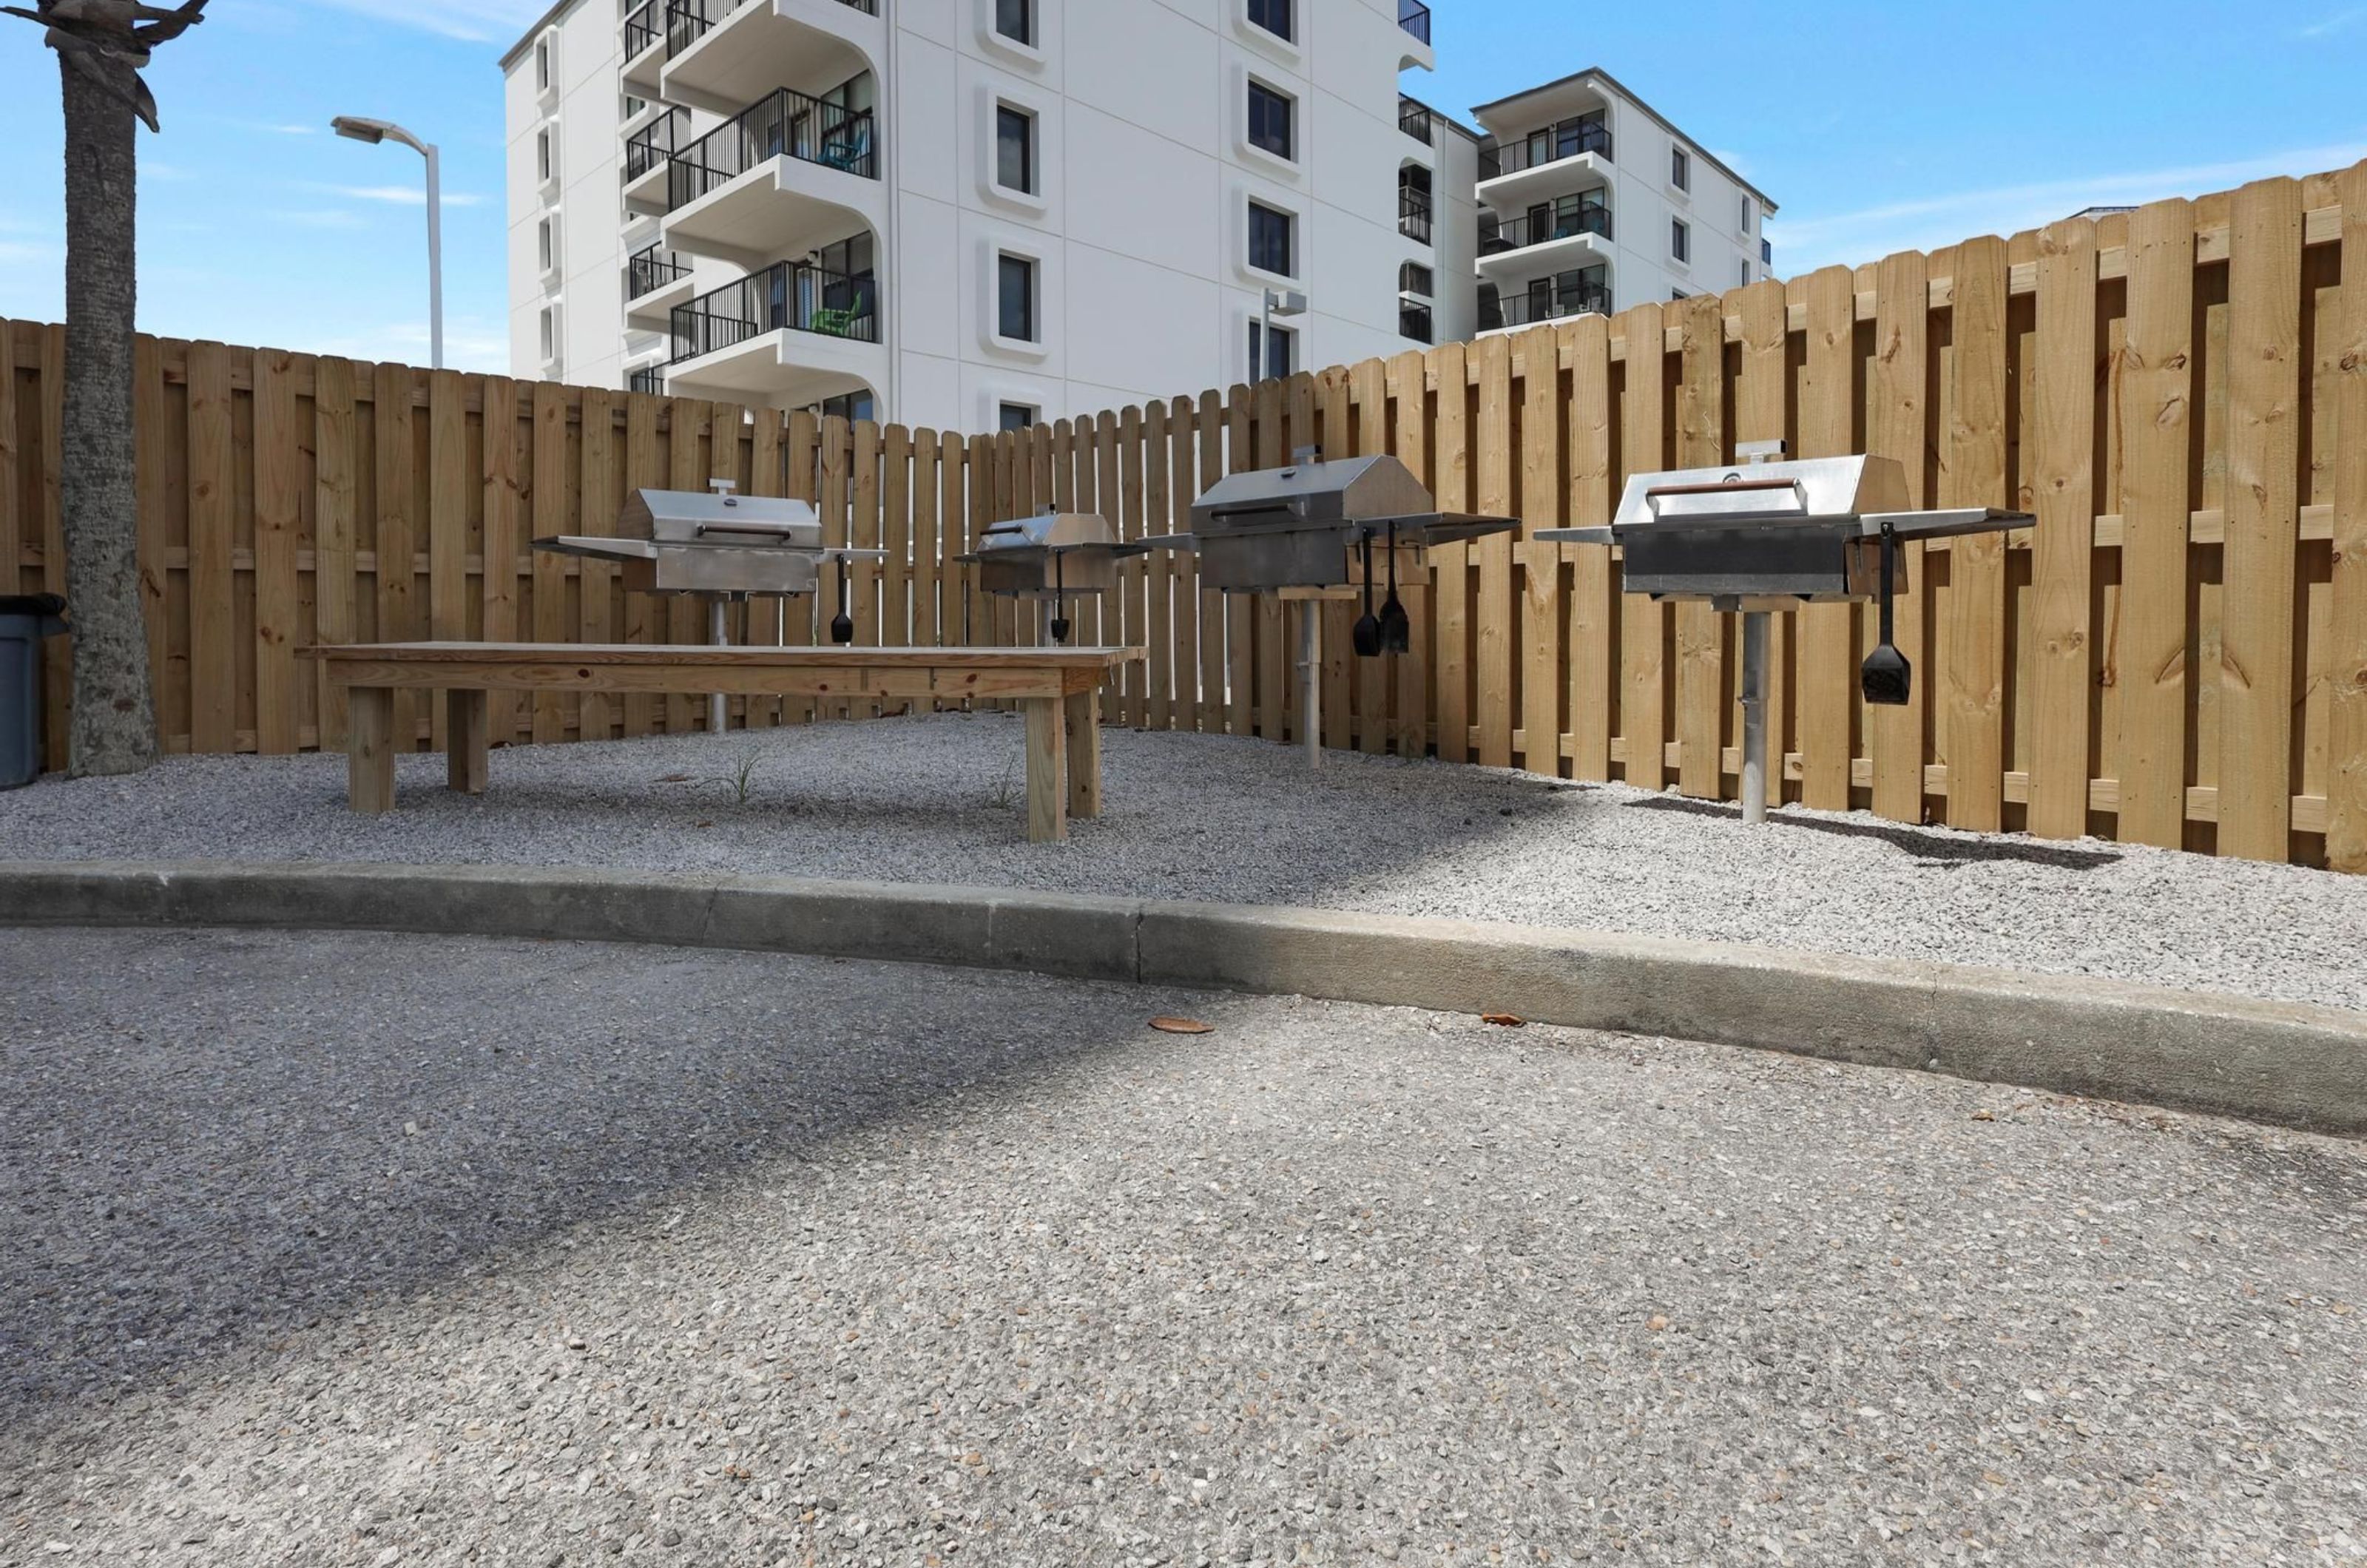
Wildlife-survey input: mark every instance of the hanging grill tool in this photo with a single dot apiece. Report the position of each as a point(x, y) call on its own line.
point(1768, 536)
point(725, 547)
point(1307, 533)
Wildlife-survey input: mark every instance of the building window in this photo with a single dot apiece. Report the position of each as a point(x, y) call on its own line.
point(1270, 239)
point(1015, 19)
point(1681, 169)
point(549, 238)
point(1270, 115)
point(1746, 213)
point(852, 406)
point(1014, 308)
point(542, 65)
point(1681, 240)
point(545, 156)
point(550, 333)
point(1015, 149)
point(1270, 358)
point(1415, 278)
point(1766, 252)
point(1274, 15)
point(1746, 271)
point(1017, 416)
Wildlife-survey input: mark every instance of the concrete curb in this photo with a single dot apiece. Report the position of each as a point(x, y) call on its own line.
point(2300, 1066)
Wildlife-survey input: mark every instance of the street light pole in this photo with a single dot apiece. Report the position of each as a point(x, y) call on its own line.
point(374, 131)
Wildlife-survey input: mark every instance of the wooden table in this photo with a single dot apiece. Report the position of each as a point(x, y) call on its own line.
point(1059, 687)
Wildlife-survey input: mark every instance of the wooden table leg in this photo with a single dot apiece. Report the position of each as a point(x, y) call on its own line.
point(370, 748)
point(466, 739)
point(1048, 748)
point(1083, 713)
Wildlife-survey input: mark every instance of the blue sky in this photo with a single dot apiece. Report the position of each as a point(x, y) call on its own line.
point(1875, 126)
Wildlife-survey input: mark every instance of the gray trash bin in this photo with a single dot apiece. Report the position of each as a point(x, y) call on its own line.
point(25, 620)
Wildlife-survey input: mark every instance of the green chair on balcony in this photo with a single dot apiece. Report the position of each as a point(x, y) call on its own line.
point(832, 322)
point(848, 151)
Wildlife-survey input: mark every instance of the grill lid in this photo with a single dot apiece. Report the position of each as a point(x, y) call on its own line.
point(1045, 531)
point(1804, 491)
point(1349, 490)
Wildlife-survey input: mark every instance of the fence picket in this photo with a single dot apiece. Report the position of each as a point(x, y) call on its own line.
point(2346, 785)
point(1701, 630)
point(1974, 710)
point(1643, 623)
point(2255, 637)
point(2063, 544)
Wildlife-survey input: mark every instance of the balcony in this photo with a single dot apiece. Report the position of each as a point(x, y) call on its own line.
point(1414, 322)
point(789, 172)
point(737, 51)
point(650, 378)
point(1413, 214)
point(791, 334)
point(1542, 302)
point(647, 151)
point(1574, 155)
point(1417, 120)
point(1543, 239)
point(656, 281)
point(644, 29)
point(1414, 18)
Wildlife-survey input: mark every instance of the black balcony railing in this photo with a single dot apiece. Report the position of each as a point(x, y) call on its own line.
point(1414, 18)
point(649, 147)
point(650, 380)
point(686, 22)
point(641, 27)
point(1413, 321)
point(1498, 235)
point(647, 271)
point(1566, 139)
point(782, 124)
point(788, 294)
point(1413, 214)
point(1416, 119)
point(1543, 304)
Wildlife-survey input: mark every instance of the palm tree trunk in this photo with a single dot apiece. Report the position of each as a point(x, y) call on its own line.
point(113, 729)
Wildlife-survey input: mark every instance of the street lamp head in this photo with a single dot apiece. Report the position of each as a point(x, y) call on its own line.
point(370, 131)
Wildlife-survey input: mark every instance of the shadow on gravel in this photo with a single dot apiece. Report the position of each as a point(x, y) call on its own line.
point(210, 1137)
point(1936, 851)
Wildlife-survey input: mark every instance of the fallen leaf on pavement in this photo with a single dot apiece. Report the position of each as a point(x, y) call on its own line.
point(1182, 1026)
point(1984, 1115)
point(1503, 1020)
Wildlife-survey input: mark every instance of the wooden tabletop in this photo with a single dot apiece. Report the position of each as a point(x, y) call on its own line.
point(637, 653)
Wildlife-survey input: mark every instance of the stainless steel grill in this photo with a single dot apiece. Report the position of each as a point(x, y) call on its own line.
point(723, 546)
point(1765, 537)
point(1310, 532)
point(1050, 557)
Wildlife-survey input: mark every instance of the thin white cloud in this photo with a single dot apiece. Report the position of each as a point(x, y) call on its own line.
point(2340, 21)
point(1806, 239)
point(399, 196)
point(477, 21)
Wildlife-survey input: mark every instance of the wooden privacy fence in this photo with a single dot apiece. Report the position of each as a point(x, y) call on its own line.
point(2176, 654)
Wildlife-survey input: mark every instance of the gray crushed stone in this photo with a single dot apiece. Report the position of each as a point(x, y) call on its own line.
point(330, 1249)
point(942, 799)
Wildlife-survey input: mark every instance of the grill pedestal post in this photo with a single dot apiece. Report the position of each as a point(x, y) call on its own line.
point(719, 633)
point(1754, 716)
point(1310, 679)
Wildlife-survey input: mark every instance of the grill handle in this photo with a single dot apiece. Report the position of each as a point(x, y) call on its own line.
point(771, 530)
point(1728, 487)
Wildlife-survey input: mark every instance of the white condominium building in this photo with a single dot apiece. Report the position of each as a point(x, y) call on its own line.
point(1590, 200)
point(970, 214)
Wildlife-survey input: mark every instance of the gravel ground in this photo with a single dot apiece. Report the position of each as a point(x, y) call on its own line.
point(941, 799)
point(713, 1259)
